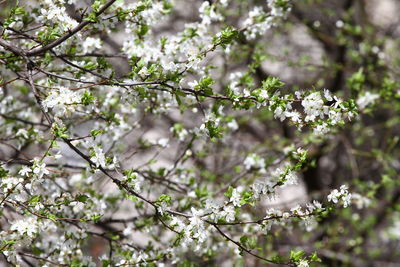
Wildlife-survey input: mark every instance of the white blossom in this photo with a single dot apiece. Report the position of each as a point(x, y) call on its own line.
point(63, 101)
point(28, 226)
point(233, 125)
point(229, 213)
point(342, 194)
point(314, 106)
point(25, 170)
point(90, 44)
point(302, 263)
point(366, 99)
point(235, 198)
point(98, 157)
point(254, 161)
point(39, 169)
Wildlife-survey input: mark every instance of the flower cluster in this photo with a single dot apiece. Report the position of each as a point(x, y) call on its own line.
point(62, 101)
point(259, 22)
point(254, 161)
point(57, 14)
point(342, 195)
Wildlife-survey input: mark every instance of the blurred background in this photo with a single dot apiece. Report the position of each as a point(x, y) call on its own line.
point(346, 46)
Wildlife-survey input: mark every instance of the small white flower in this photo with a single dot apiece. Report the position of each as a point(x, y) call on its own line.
point(321, 129)
point(10, 183)
point(271, 213)
point(254, 161)
point(163, 142)
point(339, 24)
point(302, 263)
point(90, 44)
point(23, 133)
point(294, 116)
point(334, 196)
point(193, 84)
point(128, 231)
point(328, 95)
point(197, 226)
point(317, 204)
point(62, 101)
point(342, 194)
point(143, 72)
point(25, 171)
point(235, 198)
point(280, 113)
point(229, 213)
point(28, 226)
point(314, 106)
point(195, 220)
point(39, 168)
point(233, 125)
point(291, 178)
point(360, 201)
point(366, 99)
point(177, 223)
point(98, 157)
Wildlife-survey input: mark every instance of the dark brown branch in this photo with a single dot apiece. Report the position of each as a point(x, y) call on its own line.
point(243, 248)
point(12, 48)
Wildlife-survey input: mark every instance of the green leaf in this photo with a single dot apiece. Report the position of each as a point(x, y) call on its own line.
point(142, 30)
point(105, 263)
point(314, 257)
point(96, 217)
point(206, 82)
point(82, 198)
point(3, 172)
point(87, 98)
point(34, 199)
point(357, 80)
point(272, 83)
point(95, 133)
point(296, 255)
point(226, 36)
point(243, 240)
point(228, 193)
point(60, 132)
point(213, 130)
point(165, 198)
point(201, 192)
point(247, 198)
point(36, 251)
point(278, 259)
point(96, 6)
point(52, 217)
